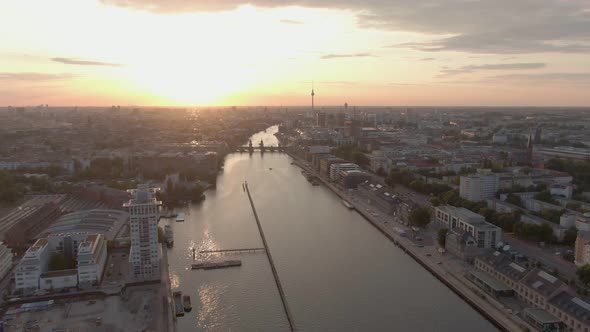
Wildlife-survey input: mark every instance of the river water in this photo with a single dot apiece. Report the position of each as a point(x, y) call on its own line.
point(338, 272)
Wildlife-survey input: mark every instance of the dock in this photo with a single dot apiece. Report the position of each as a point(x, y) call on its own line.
point(271, 262)
point(209, 265)
point(235, 251)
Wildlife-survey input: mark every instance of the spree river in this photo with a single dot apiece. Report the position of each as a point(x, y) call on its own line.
point(338, 272)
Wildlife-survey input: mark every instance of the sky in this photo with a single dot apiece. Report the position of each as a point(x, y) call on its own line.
point(271, 52)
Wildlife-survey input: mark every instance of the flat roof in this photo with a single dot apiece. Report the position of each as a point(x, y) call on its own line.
point(494, 283)
point(541, 316)
point(59, 273)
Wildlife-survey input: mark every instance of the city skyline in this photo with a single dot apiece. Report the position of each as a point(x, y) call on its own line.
point(223, 53)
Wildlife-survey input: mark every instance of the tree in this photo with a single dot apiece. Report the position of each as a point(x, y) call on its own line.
point(435, 201)
point(58, 261)
point(545, 196)
point(420, 216)
point(513, 199)
point(442, 237)
point(161, 236)
point(583, 274)
point(569, 238)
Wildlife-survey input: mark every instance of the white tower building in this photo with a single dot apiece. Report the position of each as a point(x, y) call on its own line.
point(144, 212)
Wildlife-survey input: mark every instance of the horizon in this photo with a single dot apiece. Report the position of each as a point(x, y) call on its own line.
point(225, 53)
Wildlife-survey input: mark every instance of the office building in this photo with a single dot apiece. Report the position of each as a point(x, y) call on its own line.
point(485, 235)
point(336, 169)
point(479, 187)
point(89, 251)
point(144, 212)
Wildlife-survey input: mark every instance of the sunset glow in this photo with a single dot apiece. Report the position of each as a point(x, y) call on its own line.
point(90, 52)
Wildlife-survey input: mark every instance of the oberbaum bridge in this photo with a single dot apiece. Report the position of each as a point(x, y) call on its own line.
point(251, 148)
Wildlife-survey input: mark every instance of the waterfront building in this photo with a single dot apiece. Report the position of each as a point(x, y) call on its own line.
point(539, 290)
point(543, 321)
point(144, 212)
point(89, 251)
point(351, 179)
point(5, 260)
point(478, 187)
point(485, 235)
point(326, 163)
point(336, 169)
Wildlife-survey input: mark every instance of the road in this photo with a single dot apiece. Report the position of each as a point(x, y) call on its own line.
point(544, 255)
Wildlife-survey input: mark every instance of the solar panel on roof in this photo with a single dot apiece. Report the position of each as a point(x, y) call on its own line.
point(517, 267)
point(581, 303)
point(547, 276)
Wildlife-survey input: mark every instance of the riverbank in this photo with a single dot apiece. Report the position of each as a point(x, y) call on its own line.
point(453, 280)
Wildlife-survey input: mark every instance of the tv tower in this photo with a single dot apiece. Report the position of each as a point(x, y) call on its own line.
point(312, 95)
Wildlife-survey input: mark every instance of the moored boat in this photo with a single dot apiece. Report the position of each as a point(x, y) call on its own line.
point(186, 301)
point(168, 235)
point(180, 217)
point(178, 308)
point(348, 205)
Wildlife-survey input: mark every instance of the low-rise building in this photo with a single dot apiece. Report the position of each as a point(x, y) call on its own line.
point(32, 265)
point(540, 291)
point(89, 251)
point(336, 169)
point(486, 235)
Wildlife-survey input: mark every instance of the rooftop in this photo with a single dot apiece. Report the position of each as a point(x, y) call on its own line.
point(490, 281)
point(541, 316)
point(101, 221)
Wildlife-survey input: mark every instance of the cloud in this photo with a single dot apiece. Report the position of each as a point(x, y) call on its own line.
point(553, 77)
point(34, 77)
point(356, 55)
point(490, 27)
point(291, 21)
point(70, 61)
point(501, 66)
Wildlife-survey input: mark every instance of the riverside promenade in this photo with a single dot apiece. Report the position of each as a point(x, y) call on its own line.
point(448, 274)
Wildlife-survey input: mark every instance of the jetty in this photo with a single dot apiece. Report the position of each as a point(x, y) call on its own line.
point(210, 265)
point(234, 251)
point(271, 262)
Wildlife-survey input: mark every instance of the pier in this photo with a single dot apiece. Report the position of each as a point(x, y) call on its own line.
point(271, 262)
point(216, 265)
point(233, 251)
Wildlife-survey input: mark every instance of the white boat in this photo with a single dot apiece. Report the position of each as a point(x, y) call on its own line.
point(348, 205)
point(180, 217)
point(169, 235)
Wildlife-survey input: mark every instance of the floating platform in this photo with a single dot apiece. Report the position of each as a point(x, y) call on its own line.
point(178, 307)
point(210, 265)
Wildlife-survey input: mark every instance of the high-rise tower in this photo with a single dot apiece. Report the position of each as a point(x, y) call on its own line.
point(144, 212)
